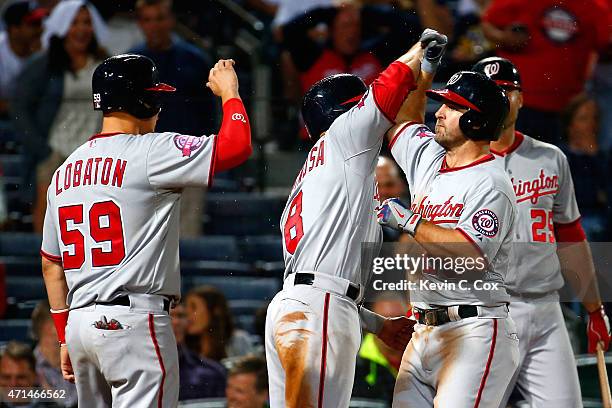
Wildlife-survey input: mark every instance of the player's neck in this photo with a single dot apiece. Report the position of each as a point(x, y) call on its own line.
point(119, 122)
point(505, 140)
point(466, 153)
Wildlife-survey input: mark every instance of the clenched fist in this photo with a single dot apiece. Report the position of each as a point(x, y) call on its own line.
point(222, 80)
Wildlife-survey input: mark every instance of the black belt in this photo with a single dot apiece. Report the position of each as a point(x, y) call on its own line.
point(438, 316)
point(304, 278)
point(125, 301)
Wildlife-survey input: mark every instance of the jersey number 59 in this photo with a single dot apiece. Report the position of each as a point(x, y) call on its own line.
point(105, 225)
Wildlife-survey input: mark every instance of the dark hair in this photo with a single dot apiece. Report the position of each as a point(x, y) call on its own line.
point(16, 350)
point(252, 364)
point(572, 107)
point(40, 315)
point(143, 3)
point(220, 325)
point(59, 60)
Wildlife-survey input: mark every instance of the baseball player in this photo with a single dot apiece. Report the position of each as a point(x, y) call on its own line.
point(313, 325)
point(464, 349)
point(111, 234)
point(547, 215)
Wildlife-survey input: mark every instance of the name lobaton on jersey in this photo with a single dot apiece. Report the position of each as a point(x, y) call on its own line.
point(93, 171)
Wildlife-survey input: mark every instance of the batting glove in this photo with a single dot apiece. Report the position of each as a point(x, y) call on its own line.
point(434, 44)
point(598, 330)
point(392, 213)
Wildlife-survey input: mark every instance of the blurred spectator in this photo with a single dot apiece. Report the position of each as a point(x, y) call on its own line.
point(200, 377)
point(123, 31)
point(247, 383)
point(389, 179)
point(210, 328)
point(390, 184)
point(3, 204)
point(377, 363)
point(331, 40)
point(190, 110)
point(17, 370)
point(601, 88)
point(587, 163)
point(552, 43)
point(47, 353)
point(21, 39)
point(468, 44)
point(53, 112)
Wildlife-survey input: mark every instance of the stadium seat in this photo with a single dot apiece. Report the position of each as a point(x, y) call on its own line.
point(216, 268)
point(236, 287)
point(14, 329)
point(209, 248)
point(22, 288)
point(21, 265)
point(243, 214)
point(20, 244)
point(262, 248)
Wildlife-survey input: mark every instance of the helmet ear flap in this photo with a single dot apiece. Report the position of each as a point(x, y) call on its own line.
point(469, 123)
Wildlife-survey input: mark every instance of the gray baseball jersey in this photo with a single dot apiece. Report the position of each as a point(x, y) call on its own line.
point(476, 200)
point(545, 196)
point(113, 213)
point(330, 210)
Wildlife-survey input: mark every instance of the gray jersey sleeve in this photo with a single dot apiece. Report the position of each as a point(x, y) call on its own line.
point(175, 161)
point(361, 129)
point(486, 220)
point(50, 244)
point(565, 207)
point(409, 146)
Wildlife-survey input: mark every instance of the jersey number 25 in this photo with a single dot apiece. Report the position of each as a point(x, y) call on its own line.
point(110, 230)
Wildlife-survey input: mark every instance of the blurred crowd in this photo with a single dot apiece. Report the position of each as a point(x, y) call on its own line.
point(49, 49)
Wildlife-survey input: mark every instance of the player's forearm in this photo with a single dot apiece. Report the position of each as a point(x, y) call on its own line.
point(578, 269)
point(234, 138)
point(55, 283)
point(444, 242)
point(372, 322)
point(413, 108)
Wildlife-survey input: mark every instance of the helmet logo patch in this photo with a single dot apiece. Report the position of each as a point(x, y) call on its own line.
point(486, 222)
point(454, 78)
point(187, 144)
point(491, 69)
point(97, 101)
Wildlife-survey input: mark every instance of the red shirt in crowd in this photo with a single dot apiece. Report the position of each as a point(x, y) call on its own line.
point(365, 65)
point(564, 34)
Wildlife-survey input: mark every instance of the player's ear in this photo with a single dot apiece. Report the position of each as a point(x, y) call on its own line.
point(520, 99)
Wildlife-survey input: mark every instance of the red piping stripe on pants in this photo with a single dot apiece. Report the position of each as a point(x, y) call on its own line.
point(488, 366)
point(323, 351)
point(160, 395)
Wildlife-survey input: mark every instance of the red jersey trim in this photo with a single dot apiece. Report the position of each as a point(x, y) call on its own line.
point(101, 135)
point(518, 139)
point(483, 380)
point(570, 232)
point(392, 142)
point(160, 395)
point(471, 240)
point(213, 161)
point(52, 258)
point(445, 169)
point(323, 351)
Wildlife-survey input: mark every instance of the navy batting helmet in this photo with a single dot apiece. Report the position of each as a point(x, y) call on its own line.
point(328, 99)
point(501, 71)
point(128, 83)
point(486, 103)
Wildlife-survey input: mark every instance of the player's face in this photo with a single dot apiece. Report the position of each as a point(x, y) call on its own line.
point(197, 315)
point(516, 103)
point(80, 33)
point(448, 132)
point(242, 393)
